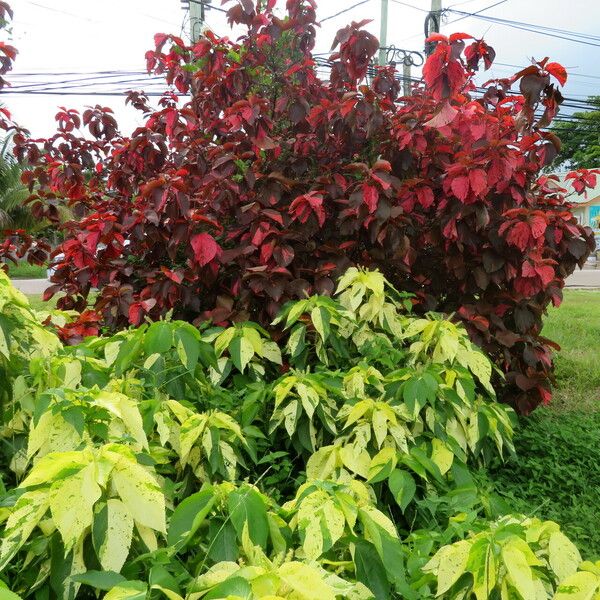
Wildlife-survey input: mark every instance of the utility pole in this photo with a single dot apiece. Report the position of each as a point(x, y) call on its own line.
point(383, 33)
point(406, 63)
point(197, 18)
point(432, 23)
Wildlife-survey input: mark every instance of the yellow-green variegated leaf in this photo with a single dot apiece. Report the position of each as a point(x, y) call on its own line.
point(52, 434)
point(190, 431)
point(72, 502)
point(563, 556)
point(519, 572)
point(127, 410)
point(114, 548)
point(370, 516)
point(55, 465)
point(305, 582)
point(321, 523)
point(147, 536)
point(128, 590)
point(452, 562)
point(139, 491)
point(580, 586)
point(481, 367)
point(24, 518)
point(323, 463)
point(441, 455)
point(356, 459)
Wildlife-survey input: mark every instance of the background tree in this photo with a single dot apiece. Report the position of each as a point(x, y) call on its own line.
point(14, 214)
point(580, 138)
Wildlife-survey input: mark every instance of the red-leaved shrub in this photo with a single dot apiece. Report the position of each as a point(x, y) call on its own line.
point(256, 182)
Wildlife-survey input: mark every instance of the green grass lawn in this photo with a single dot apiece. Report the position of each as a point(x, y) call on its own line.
point(27, 271)
point(576, 327)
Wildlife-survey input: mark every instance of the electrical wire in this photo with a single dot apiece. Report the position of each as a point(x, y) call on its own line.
point(341, 12)
point(528, 27)
point(478, 12)
point(410, 6)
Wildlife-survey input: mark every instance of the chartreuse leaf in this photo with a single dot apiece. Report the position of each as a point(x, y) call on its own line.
point(137, 488)
point(441, 455)
point(125, 409)
point(452, 564)
point(563, 556)
point(112, 534)
point(72, 501)
point(579, 586)
point(519, 572)
point(305, 581)
point(128, 590)
point(6, 594)
point(382, 465)
point(24, 518)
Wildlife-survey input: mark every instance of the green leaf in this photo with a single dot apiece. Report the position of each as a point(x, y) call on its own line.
point(403, 487)
point(247, 506)
point(370, 569)
point(158, 338)
point(188, 516)
point(241, 351)
point(129, 351)
point(101, 580)
point(234, 587)
point(223, 545)
point(188, 348)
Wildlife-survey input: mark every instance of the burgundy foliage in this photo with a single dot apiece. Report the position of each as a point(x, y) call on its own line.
point(255, 182)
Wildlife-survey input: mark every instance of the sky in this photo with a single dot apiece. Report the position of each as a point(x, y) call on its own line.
point(66, 44)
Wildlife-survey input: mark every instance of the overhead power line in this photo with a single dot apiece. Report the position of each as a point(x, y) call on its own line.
point(473, 14)
point(540, 30)
point(341, 12)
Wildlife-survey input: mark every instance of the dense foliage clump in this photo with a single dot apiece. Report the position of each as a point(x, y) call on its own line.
point(256, 182)
point(218, 463)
